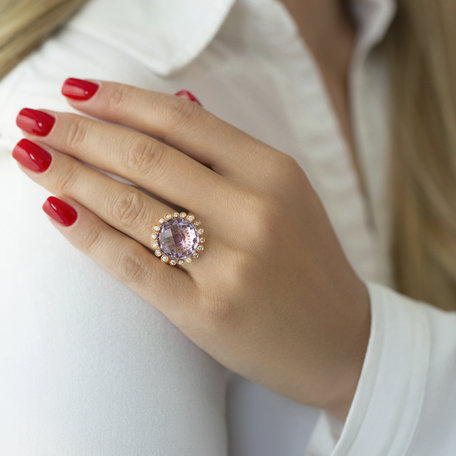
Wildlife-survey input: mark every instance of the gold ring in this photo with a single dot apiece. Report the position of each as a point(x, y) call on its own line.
point(177, 238)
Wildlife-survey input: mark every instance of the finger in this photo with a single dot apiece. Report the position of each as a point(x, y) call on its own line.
point(127, 260)
point(179, 122)
point(154, 166)
point(122, 206)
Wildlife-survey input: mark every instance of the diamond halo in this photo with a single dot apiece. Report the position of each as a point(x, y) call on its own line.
point(177, 238)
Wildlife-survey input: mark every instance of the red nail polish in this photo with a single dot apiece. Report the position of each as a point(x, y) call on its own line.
point(79, 89)
point(32, 156)
point(60, 211)
point(34, 121)
point(188, 95)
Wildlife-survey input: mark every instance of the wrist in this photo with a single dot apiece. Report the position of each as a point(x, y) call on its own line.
point(345, 385)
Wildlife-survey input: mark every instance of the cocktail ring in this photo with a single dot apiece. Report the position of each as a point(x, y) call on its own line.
point(177, 238)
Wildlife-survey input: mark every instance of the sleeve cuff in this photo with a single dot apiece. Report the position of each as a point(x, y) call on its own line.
point(391, 388)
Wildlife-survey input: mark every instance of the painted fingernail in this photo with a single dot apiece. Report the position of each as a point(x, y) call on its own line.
point(60, 211)
point(34, 121)
point(79, 89)
point(188, 95)
point(32, 156)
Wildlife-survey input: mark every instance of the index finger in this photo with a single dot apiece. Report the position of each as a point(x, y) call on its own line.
point(177, 121)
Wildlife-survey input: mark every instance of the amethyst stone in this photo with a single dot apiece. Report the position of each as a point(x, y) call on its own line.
point(178, 238)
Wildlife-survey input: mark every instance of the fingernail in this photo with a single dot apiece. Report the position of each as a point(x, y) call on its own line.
point(60, 211)
point(32, 156)
point(34, 121)
point(188, 95)
point(79, 89)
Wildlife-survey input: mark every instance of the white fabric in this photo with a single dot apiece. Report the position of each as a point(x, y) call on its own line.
point(90, 368)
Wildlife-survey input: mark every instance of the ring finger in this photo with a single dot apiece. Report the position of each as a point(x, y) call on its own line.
point(122, 206)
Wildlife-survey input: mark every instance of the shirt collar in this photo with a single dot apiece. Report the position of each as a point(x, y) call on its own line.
point(373, 18)
point(168, 35)
point(164, 35)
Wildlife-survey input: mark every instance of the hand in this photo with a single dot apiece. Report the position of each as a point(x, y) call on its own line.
point(272, 297)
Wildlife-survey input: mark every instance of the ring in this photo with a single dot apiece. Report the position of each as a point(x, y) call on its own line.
point(177, 238)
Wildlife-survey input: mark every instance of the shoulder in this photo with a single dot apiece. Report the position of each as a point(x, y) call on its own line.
point(140, 44)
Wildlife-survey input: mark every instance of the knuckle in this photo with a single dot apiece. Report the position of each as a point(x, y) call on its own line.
point(220, 313)
point(179, 112)
point(286, 172)
point(240, 272)
point(221, 306)
point(132, 268)
point(128, 208)
point(265, 215)
point(66, 179)
point(145, 156)
point(115, 100)
point(269, 209)
point(287, 161)
point(217, 311)
point(90, 239)
point(76, 132)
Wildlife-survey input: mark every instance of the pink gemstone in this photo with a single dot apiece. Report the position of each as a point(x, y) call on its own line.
point(177, 238)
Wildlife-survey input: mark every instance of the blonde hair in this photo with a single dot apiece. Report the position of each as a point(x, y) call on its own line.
point(422, 70)
point(24, 24)
point(422, 67)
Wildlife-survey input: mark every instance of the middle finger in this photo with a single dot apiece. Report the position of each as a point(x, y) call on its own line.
point(153, 165)
point(122, 206)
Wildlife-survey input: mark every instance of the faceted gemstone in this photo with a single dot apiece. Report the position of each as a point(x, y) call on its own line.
point(178, 238)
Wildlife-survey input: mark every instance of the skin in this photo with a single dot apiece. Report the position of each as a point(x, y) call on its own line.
point(276, 302)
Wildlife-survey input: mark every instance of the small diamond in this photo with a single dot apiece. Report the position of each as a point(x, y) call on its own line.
point(165, 258)
point(157, 253)
point(154, 236)
point(195, 255)
point(176, 214)
point(161, 221)
point(155, 245)
point(202, 240)
point(156, 228)
point(196, 223)
point(191, 218)
point(168, 216)
point(183, 214)
point(172, 262)
point(200, 231)
point(200, 248)
point(188, 260)
point(181, 262)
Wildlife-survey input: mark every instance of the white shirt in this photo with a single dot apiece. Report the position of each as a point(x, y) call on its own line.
point(90, 368)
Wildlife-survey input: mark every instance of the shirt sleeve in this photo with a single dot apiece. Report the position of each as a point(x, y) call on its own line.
point(405, 400)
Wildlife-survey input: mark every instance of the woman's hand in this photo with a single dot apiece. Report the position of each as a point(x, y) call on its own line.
point(272, 297)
